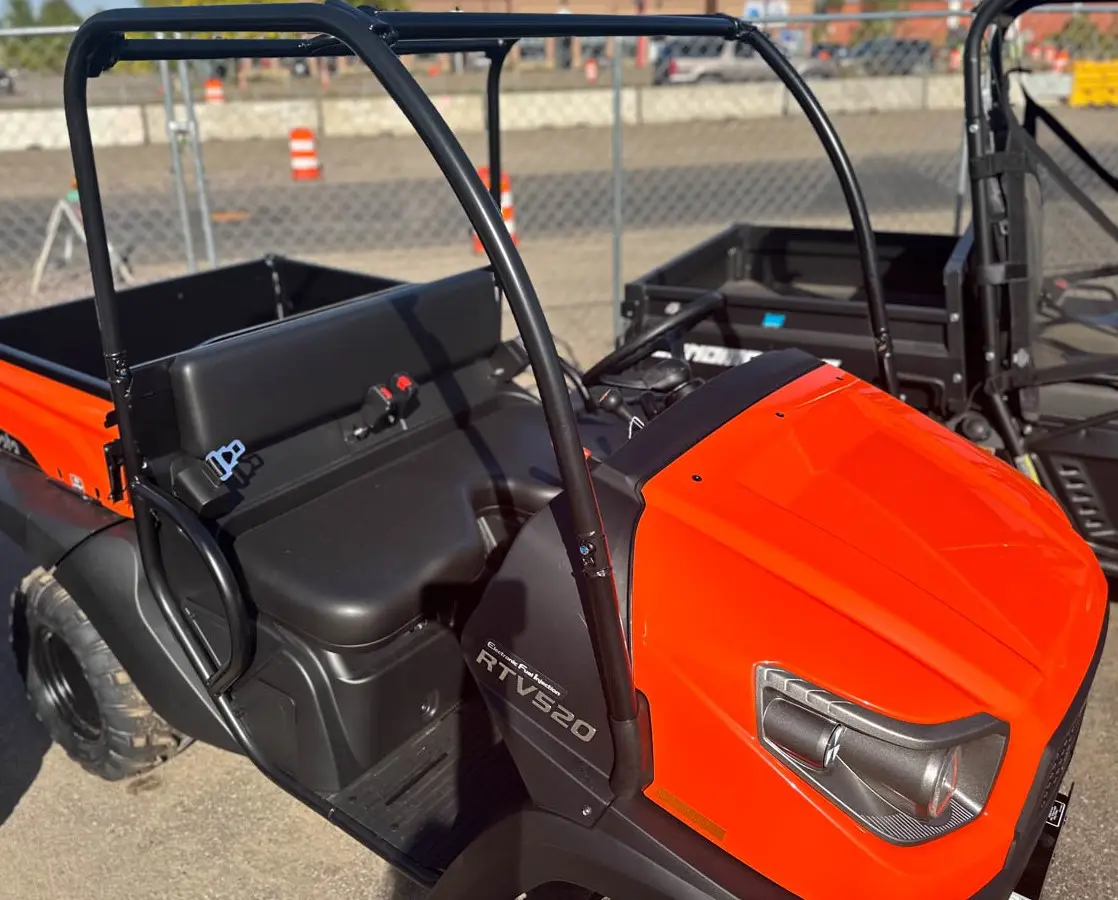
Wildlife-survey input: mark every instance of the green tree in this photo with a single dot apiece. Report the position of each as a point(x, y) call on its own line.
point(58, 12)
point(37, 54)
point(20, 15)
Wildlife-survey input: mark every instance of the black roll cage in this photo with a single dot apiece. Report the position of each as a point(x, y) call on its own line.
point(377, 38)
point(983, 167)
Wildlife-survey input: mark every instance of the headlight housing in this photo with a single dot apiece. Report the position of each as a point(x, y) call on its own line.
point(906, 783)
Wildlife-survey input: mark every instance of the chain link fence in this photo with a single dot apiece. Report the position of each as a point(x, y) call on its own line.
point(620, 153)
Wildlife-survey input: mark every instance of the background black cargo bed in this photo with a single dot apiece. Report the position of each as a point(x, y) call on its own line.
point(802, 287)
point(165, 317)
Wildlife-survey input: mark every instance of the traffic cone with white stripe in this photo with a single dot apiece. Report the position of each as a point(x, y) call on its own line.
point(508, 212)
point(304, 156)
point(214, 91)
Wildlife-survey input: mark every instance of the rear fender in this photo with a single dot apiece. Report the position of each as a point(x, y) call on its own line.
point(94, 554)
point(45, 519)
point(105, 576)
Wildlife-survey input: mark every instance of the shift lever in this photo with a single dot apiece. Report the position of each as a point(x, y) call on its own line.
point(610, 400)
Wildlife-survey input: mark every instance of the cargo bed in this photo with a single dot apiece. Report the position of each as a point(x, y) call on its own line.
point(802, 287)
point(54, 395)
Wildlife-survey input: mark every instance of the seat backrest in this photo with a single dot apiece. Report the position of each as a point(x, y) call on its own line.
point(262, 384)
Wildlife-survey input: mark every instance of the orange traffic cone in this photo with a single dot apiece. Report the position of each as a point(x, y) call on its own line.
point(304, 157)
point(215, 91)
point(508, 213)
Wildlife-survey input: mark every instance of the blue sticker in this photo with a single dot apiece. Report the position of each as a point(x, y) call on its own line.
point(773, 320)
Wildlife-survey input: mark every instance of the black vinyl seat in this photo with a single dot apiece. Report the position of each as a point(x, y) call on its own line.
point(353, 567)
point(350, 542)
point(337, 570)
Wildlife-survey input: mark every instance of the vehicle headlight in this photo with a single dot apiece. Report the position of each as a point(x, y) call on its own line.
point(905, 782)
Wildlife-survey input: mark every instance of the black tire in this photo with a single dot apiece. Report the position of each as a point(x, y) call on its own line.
point(79, 690)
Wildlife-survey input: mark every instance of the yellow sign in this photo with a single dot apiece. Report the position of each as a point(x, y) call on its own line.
point(1094, 83)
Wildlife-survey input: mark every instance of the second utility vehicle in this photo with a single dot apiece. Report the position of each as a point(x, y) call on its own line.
point(1005, 334)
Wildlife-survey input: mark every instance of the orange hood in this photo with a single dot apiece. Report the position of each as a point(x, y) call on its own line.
point(833, 531)
point(898, 525)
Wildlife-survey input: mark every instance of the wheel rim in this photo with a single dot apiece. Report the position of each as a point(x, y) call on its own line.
point(65, 685)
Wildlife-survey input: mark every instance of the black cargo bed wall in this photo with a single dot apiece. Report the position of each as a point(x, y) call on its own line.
point(785, 274)
point(911, 264)
point(165, 317)
point(703, 266)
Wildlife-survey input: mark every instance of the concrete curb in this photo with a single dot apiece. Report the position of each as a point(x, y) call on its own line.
point(137, 125)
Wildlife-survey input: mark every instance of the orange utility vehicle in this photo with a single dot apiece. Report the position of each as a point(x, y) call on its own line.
point(786, 637)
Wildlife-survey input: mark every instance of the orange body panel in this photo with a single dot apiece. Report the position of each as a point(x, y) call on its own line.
point(836, 532)
point(62, 427)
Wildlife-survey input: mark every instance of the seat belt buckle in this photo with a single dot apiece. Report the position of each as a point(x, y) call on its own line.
point(381, 409)
point(406, 394)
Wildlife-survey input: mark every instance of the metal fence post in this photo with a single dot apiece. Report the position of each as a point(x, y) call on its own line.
point(963, 185)
point(199, 168)
point(618, 192)
point(172, 127)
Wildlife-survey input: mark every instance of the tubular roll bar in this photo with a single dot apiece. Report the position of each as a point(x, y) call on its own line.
point(979, 149)
point(377, 38)
point(497, 49)
point(999, 14)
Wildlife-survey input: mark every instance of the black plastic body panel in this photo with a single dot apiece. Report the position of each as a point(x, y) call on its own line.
point(166, 317)
point(327, 717)
point(688, 422)
point(802, 287)
point(1083, 464)
point(635, 851)
point(528, 647)
point(322, 716)
point(527, 643)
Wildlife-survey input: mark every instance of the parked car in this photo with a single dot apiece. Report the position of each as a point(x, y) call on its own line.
point(890, 56)
point(533, 49)
point(7, 82)
point(703, 60)
point(827, 50)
